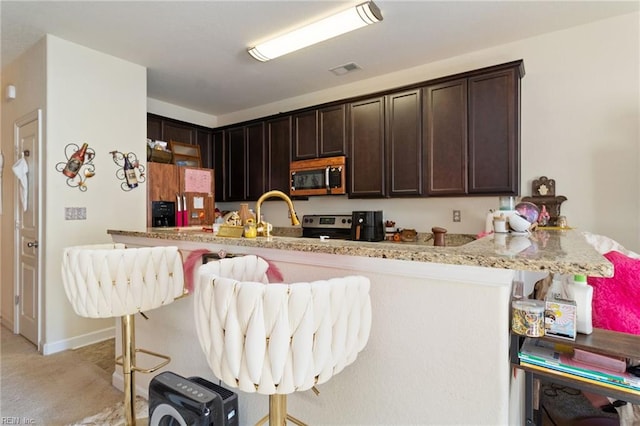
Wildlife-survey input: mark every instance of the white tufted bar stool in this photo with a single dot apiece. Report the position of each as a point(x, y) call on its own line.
point(276, 339)
point(109, 281)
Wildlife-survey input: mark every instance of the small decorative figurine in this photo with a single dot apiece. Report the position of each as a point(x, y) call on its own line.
point(543, 219)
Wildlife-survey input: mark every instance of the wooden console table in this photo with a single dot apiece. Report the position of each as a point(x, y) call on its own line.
point(601, 341)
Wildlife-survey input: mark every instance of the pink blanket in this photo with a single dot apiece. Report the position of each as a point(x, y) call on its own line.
point(616, 300)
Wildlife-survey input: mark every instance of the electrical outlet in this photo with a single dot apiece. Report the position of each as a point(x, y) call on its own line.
point(456, 216)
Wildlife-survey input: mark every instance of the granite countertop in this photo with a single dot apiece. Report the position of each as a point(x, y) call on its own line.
point(559, 251)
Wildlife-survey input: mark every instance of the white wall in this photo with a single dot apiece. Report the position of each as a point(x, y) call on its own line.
point(90, 97)
point(101, 100)
point(155, 106)
point(580, 126)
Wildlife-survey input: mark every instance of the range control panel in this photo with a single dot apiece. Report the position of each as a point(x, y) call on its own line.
point(337, 221)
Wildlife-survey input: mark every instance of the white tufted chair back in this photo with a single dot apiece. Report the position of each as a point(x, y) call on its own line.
point(107, 280)
point(278, 338)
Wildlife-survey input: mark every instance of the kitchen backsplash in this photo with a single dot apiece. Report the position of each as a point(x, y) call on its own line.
point(419, 214)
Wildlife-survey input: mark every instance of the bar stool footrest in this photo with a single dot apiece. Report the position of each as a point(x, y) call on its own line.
point(166, 361)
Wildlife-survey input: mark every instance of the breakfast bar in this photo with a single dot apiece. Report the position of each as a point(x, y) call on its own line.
point(438, 352)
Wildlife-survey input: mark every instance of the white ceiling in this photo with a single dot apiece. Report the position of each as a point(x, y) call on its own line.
point(195, 52)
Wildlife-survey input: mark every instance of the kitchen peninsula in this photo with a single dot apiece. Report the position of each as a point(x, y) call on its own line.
point(439, 346)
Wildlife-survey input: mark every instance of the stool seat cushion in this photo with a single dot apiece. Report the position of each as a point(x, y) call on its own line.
point(278, 338)
point(109, 280)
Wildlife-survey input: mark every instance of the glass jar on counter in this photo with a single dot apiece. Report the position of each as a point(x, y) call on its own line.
point(250, 230)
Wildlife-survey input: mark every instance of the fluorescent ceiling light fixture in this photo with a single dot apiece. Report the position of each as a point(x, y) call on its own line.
point(351, 19)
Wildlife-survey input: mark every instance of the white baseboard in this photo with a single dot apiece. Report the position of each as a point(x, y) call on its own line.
point(79, 341)
point(7, 323)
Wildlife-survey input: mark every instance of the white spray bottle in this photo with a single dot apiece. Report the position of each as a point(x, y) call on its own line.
point(582, 293)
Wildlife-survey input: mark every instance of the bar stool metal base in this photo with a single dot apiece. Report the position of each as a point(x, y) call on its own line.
point(278, 412)
point(128, 362)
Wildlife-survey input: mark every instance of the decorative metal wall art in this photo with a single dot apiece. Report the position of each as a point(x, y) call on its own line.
point(130, 171)
point(79, 165)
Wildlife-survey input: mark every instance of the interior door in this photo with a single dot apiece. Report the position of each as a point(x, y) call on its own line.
point(27, 289)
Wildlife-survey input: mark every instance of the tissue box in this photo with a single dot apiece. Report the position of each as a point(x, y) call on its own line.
point(560, 318)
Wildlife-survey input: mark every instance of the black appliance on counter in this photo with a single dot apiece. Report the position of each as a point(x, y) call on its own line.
point(194, 401)
point(163, 214)
point(367, 225)
point(336, 226)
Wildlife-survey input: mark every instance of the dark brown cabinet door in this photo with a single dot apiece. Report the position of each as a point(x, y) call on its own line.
point(404, 143)
point(278, 149)
point(178, 132)
point(235, 164)
point(217, 160)
point(154, 128)
point(445, 135)
point(332, 131)
point(205, 142)
point(320, 133)
point(305, 135)
point(366, 151)
point(494, 133)
point(255, 147)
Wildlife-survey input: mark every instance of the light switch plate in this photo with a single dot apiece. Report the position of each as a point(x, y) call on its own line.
point(75, 213)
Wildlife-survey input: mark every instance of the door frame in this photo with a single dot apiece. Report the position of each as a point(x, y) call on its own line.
point(24, 120)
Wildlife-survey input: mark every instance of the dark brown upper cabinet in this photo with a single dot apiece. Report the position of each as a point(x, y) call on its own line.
point(332, 126)
point(385, 136)
point(154, 127)
point(257, 159)
point(235, 162)
point(305, 135)
point(445, 135)
point(319, 133)
point(494, 132)
point(256, 156)
point(366, 164)
point(404, 143)
point(168, 129)
point(178, 132)
point(278, 143)
point(454, 135)
point(218, 163)
point(471, 133)
point(204, 139)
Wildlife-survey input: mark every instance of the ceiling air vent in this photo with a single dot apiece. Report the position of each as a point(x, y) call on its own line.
point(343, 69)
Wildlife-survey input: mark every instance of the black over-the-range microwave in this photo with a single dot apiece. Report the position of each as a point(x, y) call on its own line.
point(319, 176)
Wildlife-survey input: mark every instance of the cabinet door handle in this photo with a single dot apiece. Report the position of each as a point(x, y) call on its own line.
point(32, 244)
point(326, 179)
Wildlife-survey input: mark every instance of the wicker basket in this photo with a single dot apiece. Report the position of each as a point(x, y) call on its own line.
point(158, 155)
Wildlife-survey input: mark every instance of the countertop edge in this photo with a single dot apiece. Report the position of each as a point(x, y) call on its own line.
point(565, 252)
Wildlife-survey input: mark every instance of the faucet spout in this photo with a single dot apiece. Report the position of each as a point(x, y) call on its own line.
point(270, 194)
